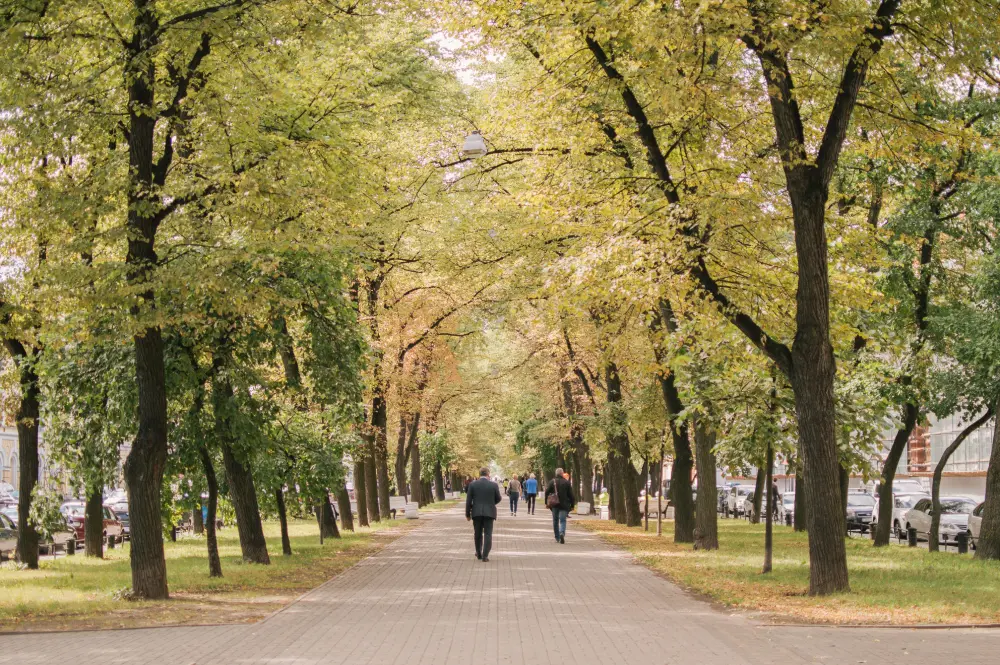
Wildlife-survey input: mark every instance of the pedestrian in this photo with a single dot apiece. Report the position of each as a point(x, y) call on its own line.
point(774, 500)
point(514, 492)
point(505, 483)
point(481, 509)
point(530, 492)
point(560, 500)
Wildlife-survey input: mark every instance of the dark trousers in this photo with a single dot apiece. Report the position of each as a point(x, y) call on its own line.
point(530, 500)
point(514, 496)
point(484, 535)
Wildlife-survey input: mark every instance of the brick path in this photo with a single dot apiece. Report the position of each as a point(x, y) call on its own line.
point(425, 599)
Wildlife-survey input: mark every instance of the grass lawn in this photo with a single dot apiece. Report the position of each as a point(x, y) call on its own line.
point(889, 585)
point(77, 592)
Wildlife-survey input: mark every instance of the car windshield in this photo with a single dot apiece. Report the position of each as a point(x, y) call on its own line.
point(908, 501)
point(860, 501)
point(788, 500)
point(956, 507)
point(73, 511)
point(122, 516)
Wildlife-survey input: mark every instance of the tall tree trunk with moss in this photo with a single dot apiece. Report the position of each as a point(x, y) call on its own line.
point(620, 451)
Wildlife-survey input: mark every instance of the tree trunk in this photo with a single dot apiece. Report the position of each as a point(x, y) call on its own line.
point(812, 380)
point(620, 450)
point(214, 563)
point(416, 487)
point(587, 481)
point(758, 486)
point(328, 521)
point(933, 538)
point(706, 514)
point(845, 486)
point(244, 497)
point(438, 482)
point(197, 523)
point(381, 451)
point(988, 545)
point(885, 501)
point(371, 480)
point(93, 525)
point(402, 487)
point(360, 491)
point(344, 504)
point(27, 451)
point(801, 507)
point(146, 461)
point(286, 543)
point(610, 483)
point(769, 518)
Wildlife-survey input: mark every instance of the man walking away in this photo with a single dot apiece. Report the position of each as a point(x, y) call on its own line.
point(560, 504)
point(530, 492)
point(514, 492)
point(481, 501)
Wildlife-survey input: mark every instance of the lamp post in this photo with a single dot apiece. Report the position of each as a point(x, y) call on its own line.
point(474, 146)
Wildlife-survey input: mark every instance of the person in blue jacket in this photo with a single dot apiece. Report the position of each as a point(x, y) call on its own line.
point(530, 492)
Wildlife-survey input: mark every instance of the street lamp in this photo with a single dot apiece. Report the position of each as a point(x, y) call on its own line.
point(474, 146)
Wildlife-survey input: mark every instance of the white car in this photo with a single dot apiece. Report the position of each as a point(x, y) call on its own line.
point(975, 524)
point(955, 511)
point(734, 502)
point(901, 503)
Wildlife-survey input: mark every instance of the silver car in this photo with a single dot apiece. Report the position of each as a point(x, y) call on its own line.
point(955, 511)
point(8, 538)
point(975, 524)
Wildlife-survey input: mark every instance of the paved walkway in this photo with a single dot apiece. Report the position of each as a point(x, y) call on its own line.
point(426, 600)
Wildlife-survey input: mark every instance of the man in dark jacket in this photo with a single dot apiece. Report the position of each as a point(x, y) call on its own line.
point(563, 490)
point(481, 501)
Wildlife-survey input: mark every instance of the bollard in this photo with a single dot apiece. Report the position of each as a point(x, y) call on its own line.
point(872, 530)
point(70, 547)
point(911, 537)
point(788, 519)
point(111, 542)
point(962, 541)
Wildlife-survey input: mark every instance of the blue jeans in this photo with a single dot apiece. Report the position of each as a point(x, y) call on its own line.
point(559, 522)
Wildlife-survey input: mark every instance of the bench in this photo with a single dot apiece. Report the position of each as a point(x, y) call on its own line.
point(396, 504)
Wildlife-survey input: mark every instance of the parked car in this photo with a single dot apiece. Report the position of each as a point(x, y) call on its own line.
point(901, 503)
point(734, 502)
point(7, 499)
point(10, 512)
point(975, 524)
point(75, 512)
point(955, 512)
point(860, 511)
point(786, 509)
point(8, 538)
point(748, 506)
point(122, 516)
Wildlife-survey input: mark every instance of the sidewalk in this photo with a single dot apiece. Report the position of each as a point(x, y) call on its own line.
point(426, 599)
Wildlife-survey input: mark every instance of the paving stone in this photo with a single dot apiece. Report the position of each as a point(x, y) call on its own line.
point(425, 599)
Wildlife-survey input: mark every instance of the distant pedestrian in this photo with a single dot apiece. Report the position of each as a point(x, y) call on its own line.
point(530, 492)
point(560, 500)
point(514, 492)
point(481, 508)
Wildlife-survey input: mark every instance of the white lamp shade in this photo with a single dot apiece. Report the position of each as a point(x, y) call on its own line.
point(475, 145)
